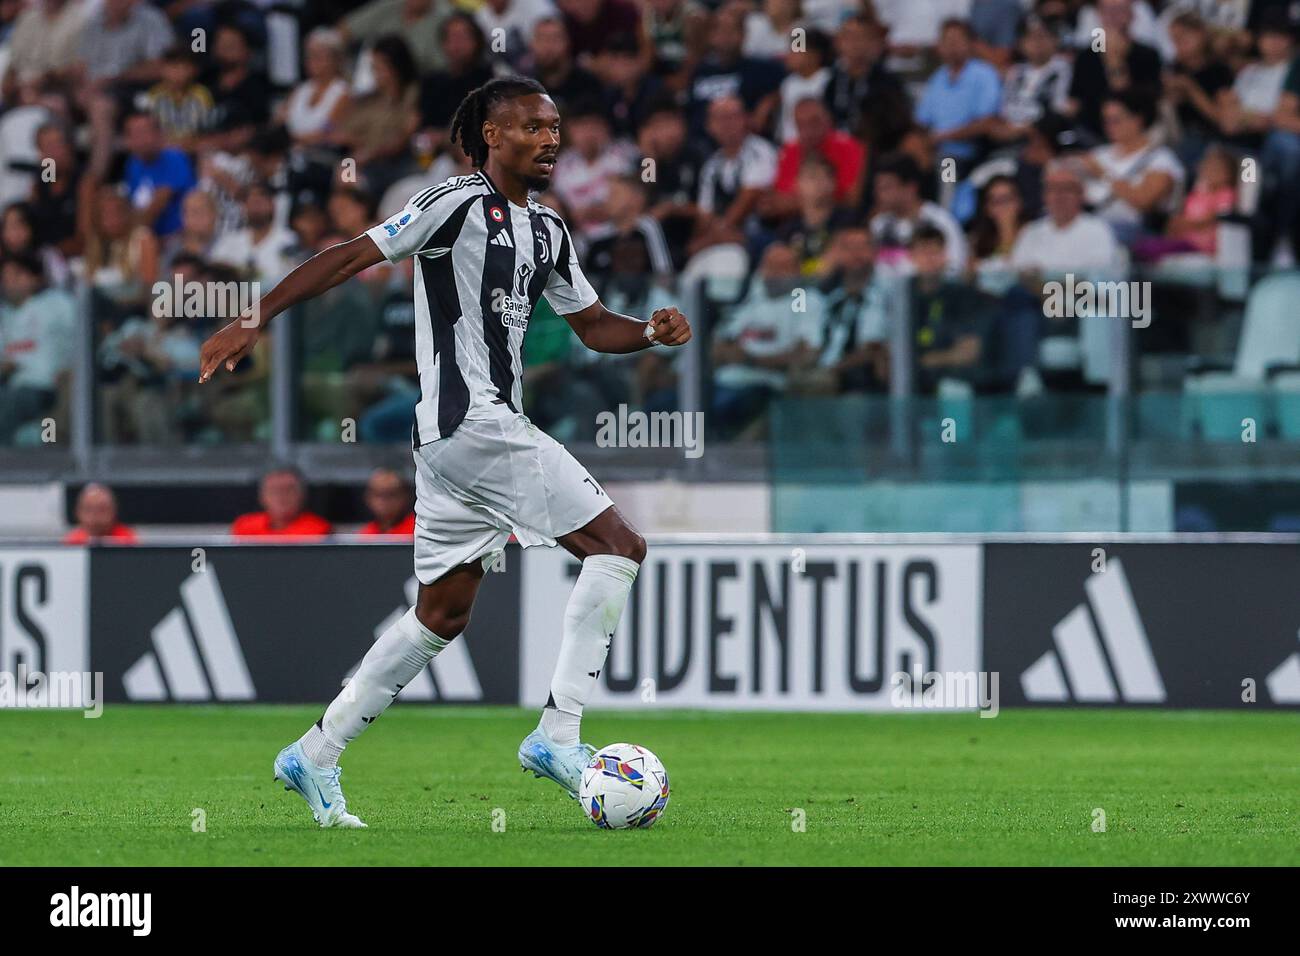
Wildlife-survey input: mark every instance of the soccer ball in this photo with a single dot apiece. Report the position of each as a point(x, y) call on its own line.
point(624, 786)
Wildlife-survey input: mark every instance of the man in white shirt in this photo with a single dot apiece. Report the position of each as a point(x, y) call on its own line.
point(1069, 241)
point(900, 210)
point(261, 248)
point(774, 330)
point(507, 25)
point(37, 329)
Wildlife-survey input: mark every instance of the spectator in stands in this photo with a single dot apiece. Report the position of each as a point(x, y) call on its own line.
point(375, 129)
point(994, 25)
point(996, 229)
point(864, 97)
point(121, 54)
point(240, 89)
point(900, 211)
point(726, 71)
point(1193, 85)
point(808, 67)
point(54, 198)
point(1036, 86)
point(1195, 229)
point(734, 178)
point(630, 90)
point(819, 217)
point(1124, 65)
point(508, 25)
point(282, 494)
point(262, 250)
point(816, 135)
point(769, 30)
point(197, 235)
point(1280, 162)
point(950, 321)
point(859, 309)
point(183, 107)
point(961, 98)
point(146, 363)
point(590, 160)
point(551, 61)
point(678, 160)
point(388, 499)
point(96, 513)
point(676, 30)
point(914, 28)
point(764, 339)
point(45, 42)
point(591, 23)
point(122, 44)
point(415, 21)
point(1246, 111)
point(121, 256)
point(1043, 141)
point(464, 50)
point(157, 176)
point(37, 329)
point(628, 222)
point(18, 236)
point(310, 112)
point(1066, 238)
point(1133, 181)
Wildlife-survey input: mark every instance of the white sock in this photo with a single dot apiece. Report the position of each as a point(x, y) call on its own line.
point(392, 662)
point(590, 618)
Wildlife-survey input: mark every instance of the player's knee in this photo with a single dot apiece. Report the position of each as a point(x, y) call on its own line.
point(631, 545)
point(446, 622)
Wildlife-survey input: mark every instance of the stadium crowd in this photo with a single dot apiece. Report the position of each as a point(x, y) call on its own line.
point(818, 151)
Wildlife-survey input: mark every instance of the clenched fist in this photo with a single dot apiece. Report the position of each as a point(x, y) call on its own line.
point(668, 327)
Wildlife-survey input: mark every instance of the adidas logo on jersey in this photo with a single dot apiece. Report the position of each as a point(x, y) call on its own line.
point(502, 238)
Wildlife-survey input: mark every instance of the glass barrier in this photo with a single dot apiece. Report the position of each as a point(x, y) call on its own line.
point(145, 359)
point(857, 400)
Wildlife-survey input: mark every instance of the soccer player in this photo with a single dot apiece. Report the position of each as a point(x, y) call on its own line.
point(485, 254)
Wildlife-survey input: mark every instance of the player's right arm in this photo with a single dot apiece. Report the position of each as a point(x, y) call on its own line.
point(404, 234)
point(318, 274)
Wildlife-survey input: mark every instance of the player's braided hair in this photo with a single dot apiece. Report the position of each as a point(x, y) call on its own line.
point(467, 124)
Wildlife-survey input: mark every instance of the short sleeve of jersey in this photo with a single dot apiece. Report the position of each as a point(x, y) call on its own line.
point(409, 231)
point(567, 288)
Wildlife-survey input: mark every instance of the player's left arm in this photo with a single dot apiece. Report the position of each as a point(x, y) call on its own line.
point(571, 295)
point(604, 331)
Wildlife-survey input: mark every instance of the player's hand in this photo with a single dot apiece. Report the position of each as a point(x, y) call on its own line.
point(669, 327)
point(227, 347)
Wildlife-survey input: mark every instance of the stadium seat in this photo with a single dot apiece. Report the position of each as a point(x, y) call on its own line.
point(1270, 339)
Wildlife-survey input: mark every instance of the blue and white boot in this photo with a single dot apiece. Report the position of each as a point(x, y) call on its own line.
point(319, 786)
point(545, 758)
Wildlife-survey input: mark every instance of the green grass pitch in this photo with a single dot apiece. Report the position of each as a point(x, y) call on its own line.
point(1177, 788)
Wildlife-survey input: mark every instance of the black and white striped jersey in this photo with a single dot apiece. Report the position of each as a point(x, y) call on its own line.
point(482, 263)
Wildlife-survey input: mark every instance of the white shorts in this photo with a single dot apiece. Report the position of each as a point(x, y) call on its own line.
point(496, 474)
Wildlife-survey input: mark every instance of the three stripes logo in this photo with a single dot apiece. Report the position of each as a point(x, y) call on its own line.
point(450, 676)
point(502, 238)
point(1283, 682)
point(196, 655)
point(1101, 653)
